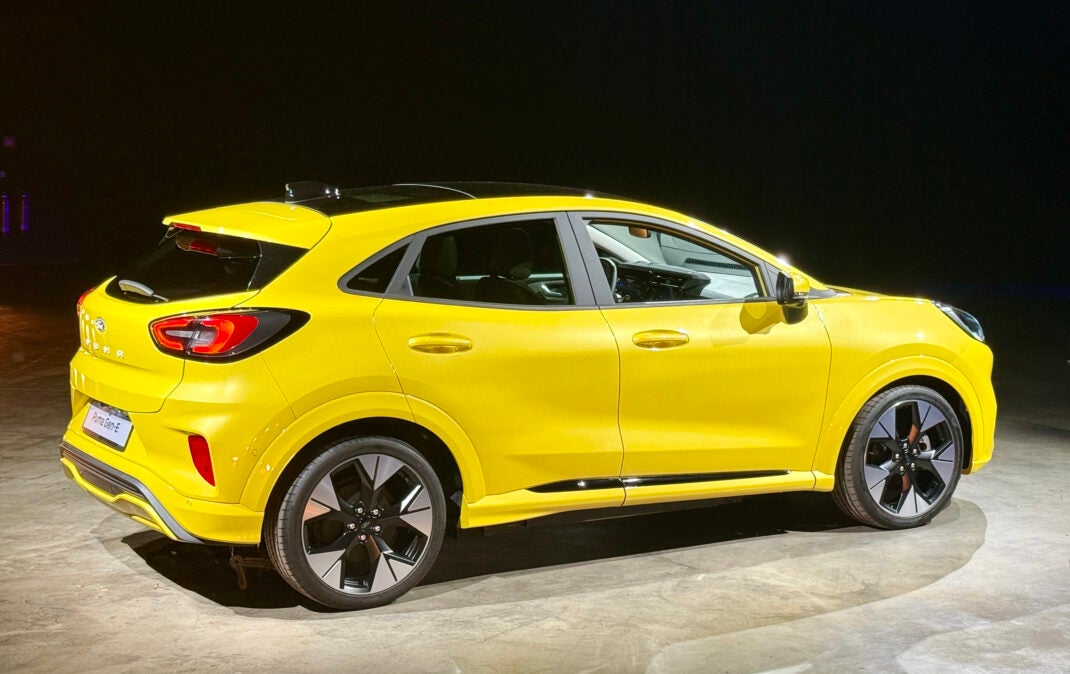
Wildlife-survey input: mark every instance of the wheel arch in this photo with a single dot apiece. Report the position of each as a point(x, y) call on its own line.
point(426, 443)
point(432, 433)
point(931, 373)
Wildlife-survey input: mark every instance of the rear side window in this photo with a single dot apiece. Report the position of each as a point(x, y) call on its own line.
point(187, 264)
point(375, 277)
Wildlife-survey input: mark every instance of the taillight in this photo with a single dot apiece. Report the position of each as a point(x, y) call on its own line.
point(205, 334)
point(220, 336)
point(81, 298)
point(202, 458)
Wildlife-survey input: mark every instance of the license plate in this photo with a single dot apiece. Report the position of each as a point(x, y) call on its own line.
point(107, 424)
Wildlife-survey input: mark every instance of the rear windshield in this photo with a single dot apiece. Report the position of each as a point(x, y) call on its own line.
point(188, 264)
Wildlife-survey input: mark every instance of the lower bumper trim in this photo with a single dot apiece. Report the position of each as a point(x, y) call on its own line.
point(116, 483)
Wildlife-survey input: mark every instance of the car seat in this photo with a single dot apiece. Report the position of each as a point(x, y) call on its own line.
point(438, 269)
point(511, 262)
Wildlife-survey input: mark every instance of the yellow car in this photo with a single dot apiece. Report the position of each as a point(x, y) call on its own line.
point(339, 375)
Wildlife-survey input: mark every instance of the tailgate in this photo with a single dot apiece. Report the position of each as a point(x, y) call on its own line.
point(117, 362)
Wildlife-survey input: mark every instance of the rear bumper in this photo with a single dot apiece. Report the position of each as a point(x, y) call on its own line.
point(154, 504)
point(122, 492)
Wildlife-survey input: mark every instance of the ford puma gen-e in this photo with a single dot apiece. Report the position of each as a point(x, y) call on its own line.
point(340, 375)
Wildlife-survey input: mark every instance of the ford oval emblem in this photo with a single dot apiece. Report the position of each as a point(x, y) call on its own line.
point(100, 325)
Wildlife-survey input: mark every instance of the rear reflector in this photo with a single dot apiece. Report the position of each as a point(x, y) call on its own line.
point(202, 458)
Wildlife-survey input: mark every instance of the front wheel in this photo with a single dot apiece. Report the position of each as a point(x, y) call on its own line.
point(360, 525)
point(902, 459)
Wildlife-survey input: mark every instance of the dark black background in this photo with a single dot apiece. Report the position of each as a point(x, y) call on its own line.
point(904, 147)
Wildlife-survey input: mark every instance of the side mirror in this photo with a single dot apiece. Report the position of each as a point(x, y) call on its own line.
point(791, 291)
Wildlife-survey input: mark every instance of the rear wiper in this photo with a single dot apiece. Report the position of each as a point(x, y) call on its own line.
point(128, 286)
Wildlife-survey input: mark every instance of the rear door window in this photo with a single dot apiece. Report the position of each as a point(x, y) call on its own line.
point(187, 264)
point(517, 262)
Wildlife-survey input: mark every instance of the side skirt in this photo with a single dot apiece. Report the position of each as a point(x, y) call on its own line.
point(599, 498)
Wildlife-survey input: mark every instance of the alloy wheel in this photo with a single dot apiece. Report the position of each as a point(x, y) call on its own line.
point(366, 524)
point(910, 458)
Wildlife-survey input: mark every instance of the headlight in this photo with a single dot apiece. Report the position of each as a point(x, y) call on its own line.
point(965, 320)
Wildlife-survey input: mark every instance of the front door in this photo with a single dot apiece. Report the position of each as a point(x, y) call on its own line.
point(717, 381)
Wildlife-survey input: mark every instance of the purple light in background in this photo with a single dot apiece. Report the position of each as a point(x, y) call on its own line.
point(5, 215)
point(24, 212)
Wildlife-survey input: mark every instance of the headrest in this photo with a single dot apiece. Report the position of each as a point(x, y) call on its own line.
point(512, 257)
point(439, 256)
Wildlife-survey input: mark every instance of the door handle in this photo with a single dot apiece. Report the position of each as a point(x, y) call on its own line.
point(660, 339)
point(440, 342)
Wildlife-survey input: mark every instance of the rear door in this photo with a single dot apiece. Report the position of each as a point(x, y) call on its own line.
point(496, 326)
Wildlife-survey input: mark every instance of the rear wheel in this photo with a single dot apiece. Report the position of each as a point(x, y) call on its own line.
point(360, 525)
point(902, 460)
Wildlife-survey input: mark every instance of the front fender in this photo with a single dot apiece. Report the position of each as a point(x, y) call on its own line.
point(839, 415)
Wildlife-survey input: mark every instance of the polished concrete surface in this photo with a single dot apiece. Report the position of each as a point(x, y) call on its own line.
point(779, 583)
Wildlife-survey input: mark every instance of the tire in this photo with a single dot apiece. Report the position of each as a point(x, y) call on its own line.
point(360, 525)
point(902, 459)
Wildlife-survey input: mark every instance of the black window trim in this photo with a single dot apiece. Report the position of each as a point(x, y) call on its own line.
point(604, 294)
point(359, 269)
point(579, 281)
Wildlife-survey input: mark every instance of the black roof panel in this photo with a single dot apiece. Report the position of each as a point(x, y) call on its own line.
point(489, 190)
point(358, 199)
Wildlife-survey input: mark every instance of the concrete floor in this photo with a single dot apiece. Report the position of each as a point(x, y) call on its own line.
point(768, 583)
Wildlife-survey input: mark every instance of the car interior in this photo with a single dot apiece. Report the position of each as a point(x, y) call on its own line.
point(647, 265)
point(517, 263)
point(520, 263)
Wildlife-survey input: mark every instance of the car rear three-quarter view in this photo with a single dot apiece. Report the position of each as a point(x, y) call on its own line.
point(340, 376)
